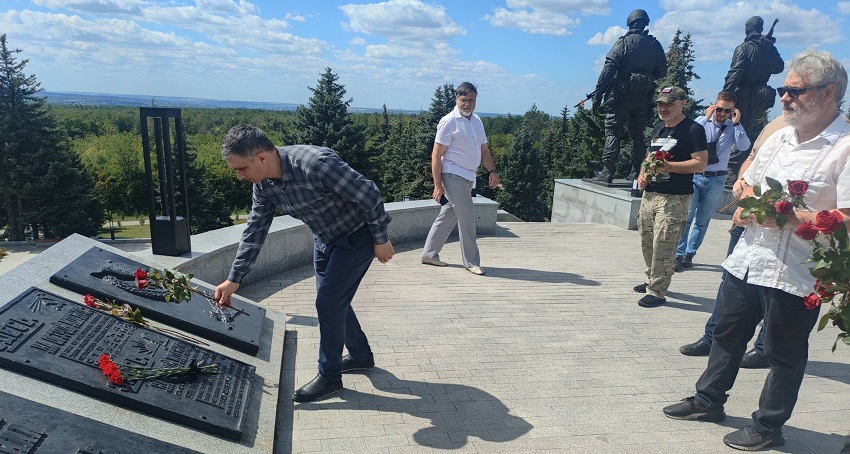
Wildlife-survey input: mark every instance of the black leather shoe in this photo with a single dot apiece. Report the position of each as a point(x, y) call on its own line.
point(352, 365)
point(678, 266)
point(641, 288)
point(318, 388)
point(698, 348)
point(651, 301)
point(688, 261)
point(755, 359)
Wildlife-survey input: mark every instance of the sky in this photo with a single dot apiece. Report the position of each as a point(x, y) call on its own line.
point(518, 53)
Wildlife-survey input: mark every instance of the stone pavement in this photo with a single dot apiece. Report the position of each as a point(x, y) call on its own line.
point(547, 353)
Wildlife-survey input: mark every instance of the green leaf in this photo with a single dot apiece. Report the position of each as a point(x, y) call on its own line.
point(824, 320)
point(757, 189)
point(781, 220)
point(745, 213)
point(748, 202)
point(774, 185)
point(761, 216)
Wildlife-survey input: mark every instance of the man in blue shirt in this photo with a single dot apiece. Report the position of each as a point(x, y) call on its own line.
point(346, 214)
point(723, 130)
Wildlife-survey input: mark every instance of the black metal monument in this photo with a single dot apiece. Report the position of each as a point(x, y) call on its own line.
point(169, 222)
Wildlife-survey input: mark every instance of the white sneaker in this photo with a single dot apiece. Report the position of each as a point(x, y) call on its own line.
point(476, 270)
point(435, 262)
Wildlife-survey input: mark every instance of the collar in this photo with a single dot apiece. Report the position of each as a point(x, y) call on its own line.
point(831, 133)
point(285, 168)
point(456, 114)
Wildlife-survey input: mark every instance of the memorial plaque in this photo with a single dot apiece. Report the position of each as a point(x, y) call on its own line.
point(59, 341)
point(106, 275)
point(27, 427)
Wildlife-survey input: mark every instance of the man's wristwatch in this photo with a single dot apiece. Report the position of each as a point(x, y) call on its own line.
point(492, 171)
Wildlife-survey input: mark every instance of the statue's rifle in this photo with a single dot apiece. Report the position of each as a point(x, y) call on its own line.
point(589, 97)
point(769, 35)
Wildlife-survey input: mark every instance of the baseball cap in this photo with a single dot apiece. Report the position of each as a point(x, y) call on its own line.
point(670, 94)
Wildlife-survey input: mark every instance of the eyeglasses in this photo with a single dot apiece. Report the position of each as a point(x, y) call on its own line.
point(726, 111)
point(466, 100)
point(794, 92)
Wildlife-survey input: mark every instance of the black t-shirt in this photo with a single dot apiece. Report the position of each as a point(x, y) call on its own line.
point(681, 141)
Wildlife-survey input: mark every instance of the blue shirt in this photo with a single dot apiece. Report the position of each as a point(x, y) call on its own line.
point(732, 135)
point(319, 189)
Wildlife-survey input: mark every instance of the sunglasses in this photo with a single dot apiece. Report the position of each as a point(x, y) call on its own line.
point(720, 109)
point(794, 92)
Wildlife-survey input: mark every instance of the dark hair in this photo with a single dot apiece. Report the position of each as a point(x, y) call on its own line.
point(727, 96)
point(245, 141)
point(464, 89)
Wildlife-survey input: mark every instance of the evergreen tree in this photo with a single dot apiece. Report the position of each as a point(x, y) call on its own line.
point(326, 122)
point(522, 174)
point(208, 206)
point(406, 172)
point(43, 183)
point(442, 103)
point(585, 135)
point(680, 71)
point(555, 144)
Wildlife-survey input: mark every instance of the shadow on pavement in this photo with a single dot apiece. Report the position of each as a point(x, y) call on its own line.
point(457, 412)
point(524, 274)
point(833, 371)
point(689, 302)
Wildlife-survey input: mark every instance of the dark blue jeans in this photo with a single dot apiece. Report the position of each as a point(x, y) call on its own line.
point(789, 323)
point(340, 266)
point(734, 236)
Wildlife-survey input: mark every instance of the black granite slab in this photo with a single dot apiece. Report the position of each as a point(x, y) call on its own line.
point(59, 341)
point(28, 427)
point(107, 275)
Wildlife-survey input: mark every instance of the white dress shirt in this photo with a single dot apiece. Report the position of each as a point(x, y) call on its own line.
point(773, 257)
point(463, 139)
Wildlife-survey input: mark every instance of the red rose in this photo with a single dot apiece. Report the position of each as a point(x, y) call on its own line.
point(659, 155)
point(141, 274)
point(782, 207)
point(797, 187)
point(668, 156)
point(812, 301)
point(141, 283)
point(90, 301)
point(807, 231)
point(828, 221)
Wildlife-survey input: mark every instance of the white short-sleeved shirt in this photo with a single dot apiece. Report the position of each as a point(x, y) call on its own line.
point(773, 257)
point(464, 139)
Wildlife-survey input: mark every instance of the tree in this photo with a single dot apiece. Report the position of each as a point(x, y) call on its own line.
point(44, 184)
point(680, 71)
point(442, 103)
point(407, 174)
point(522, 174)
point(326, 122)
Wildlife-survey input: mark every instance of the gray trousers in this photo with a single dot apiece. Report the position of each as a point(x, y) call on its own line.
point(459, 211)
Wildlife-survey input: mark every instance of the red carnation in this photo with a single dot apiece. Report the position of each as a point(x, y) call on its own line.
point(116, 377)
point(90, 301)
point(783, 208)
point(828, 221)
point(797, 188)
point(812, 301)
point(141, 274)
point(807, 231)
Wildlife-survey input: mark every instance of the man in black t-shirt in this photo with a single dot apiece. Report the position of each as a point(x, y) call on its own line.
point(665, 203)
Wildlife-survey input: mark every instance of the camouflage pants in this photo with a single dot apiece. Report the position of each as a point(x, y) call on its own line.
point(661, 220)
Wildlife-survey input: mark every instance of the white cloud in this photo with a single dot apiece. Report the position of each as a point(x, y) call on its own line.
point(534, 21)
point(596, 7)
point(358, 41)
point(295, 17)
point(226, 6)
point(608, 38)
point(409, 20)
point(844, 7)
point(112, 7)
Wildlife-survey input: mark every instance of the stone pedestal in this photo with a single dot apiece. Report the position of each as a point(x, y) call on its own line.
point(580, 201)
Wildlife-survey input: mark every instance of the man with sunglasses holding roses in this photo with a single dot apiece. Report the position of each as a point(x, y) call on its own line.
point(767, 272)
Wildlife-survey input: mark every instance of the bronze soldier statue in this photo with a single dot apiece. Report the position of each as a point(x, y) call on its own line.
point(625, 87)
point(753, 62)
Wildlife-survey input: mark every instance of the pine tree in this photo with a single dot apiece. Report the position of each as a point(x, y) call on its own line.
point(326, 122)
point(680, 71)
point(522, 175)
point(585, 136)
point(555, 144)
point(44, 184)
point(442, 103)
point(407, 173)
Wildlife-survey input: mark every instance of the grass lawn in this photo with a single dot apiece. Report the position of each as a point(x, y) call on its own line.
point(140, 231)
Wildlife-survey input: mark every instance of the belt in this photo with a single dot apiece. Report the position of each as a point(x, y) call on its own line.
point(713, 174)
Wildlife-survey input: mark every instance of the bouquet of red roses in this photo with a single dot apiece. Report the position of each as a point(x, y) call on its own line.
point(832, 270)
point(176, 285)
point(653, 164)
point(775, 202)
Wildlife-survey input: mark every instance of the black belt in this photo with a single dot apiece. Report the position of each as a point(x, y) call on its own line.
point(713, 174)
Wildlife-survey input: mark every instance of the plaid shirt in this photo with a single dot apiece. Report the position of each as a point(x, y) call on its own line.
point(321, 190)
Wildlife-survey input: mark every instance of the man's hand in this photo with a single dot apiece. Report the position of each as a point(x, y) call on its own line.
point(438, 193)
point(709, 111)
point(224, 291)
point(736, 218)
point(494, 180)
point(642, 181)
point(738, 187)
point(736, 116)
point(384, 252)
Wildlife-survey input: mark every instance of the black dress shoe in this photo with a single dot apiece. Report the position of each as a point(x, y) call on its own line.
point(698, 348)
point(353, 365)
point(317, 388)
point(755, 359)
point(651, 301)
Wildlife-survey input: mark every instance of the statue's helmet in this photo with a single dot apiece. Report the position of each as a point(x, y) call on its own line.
point(637, 15)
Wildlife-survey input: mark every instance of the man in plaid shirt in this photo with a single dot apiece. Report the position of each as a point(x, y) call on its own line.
point(346, 214)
